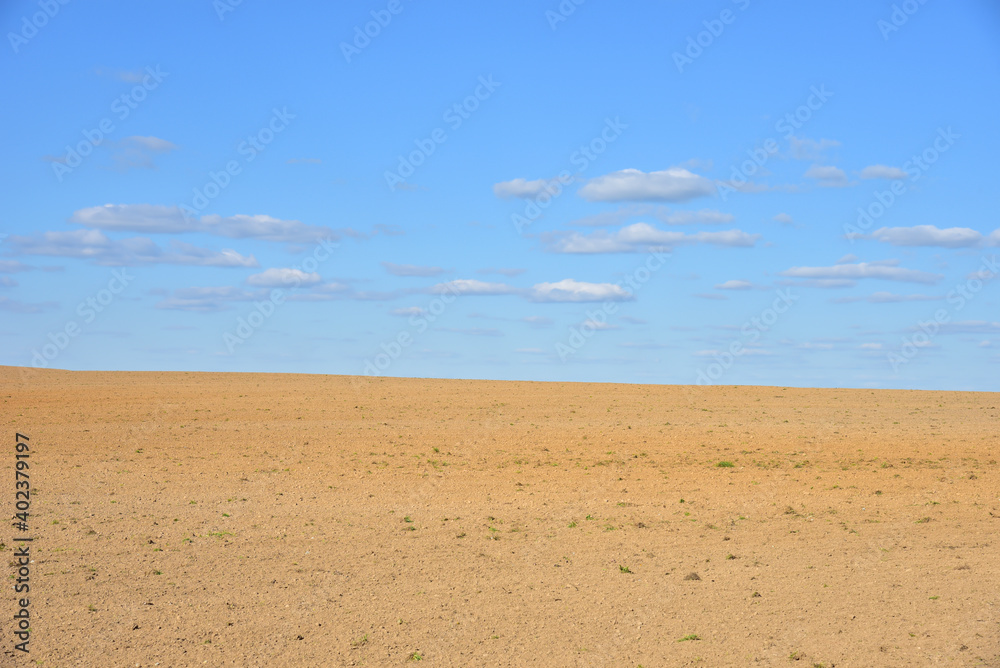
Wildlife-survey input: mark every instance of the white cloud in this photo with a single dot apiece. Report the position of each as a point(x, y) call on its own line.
point(882, 172)
point(850, 257)
point(702, 216)
point(283, 278)
point(569, 290)
point(139, 152)
point(94, 245)
point(675, 184)
point(411, 270)
point(735, 285)
point(156, 218)
point(470, 286)
point(661, 213)
point(15, 306)
point(871, 346)
point(13, 266)
point(827, 176)
point(888, 298)
point(265, 228)
point(783, 218)
point(969, 327)
point(408, 311)
point(152, 144)
point(848, 273)
point(598, 325)
point(207, 300)
point(524, 189)
point(642, 236)
point(810, 149)
point(928, 235)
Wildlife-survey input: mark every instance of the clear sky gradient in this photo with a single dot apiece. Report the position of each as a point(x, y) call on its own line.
point(729, 192)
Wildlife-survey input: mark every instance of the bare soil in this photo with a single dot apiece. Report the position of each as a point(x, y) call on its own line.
point(187, 519)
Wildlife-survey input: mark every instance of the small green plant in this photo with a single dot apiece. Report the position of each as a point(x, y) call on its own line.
point(725, 465)
point(572, 525)
point(690, 636)
point(360, 641)
point(407, 519)
point(415, 656)
point(624, 569)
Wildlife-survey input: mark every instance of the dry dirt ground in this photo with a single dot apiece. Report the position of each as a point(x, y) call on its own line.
point(187, 519)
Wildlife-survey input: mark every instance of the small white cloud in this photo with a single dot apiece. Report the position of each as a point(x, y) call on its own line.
point(871, 346)
point(702, 216)
point(848, 273)
point(639, 237)
point(735, 285)
point(569, 290)
point(151, 144)
point(470, 286)
point(882, 172)
point(810, 149)
point(783, 218)
point(283, 278)
point(850, 257)
point(411, 270)
point(675, 184)
point(408, 311)
point(928, 235)
point(827, 176)
point(525, 189)
point(598, 325)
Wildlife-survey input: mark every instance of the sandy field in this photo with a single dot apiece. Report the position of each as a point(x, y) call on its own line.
point(188, 519)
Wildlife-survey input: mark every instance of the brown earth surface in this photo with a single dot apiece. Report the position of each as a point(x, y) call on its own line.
point(187, 519)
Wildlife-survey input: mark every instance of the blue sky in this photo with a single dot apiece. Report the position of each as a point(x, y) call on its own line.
point(724, 192)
